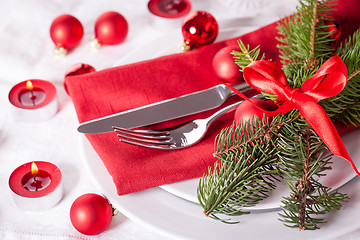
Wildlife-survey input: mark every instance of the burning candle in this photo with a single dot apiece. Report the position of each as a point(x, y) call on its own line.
point(33, 100)
point(36, 186)
point(36, 180)
point(168, 13)
point(31, 96)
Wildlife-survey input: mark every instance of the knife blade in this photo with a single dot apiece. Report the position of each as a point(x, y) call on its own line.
point(164, 110)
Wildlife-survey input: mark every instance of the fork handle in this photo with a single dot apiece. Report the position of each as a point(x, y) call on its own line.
point(227, 109)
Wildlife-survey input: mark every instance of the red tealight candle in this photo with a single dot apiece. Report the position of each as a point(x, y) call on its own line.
point(170, 10)
point(36, 186)
point(33, 100)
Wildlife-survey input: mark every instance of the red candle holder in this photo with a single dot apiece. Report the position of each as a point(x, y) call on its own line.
point(168, 13)
point(33, 100)
point(36, 190)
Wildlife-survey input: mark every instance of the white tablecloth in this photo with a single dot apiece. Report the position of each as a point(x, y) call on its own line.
point(26, 53)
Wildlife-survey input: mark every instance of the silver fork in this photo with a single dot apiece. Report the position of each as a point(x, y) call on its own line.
point(182, 136)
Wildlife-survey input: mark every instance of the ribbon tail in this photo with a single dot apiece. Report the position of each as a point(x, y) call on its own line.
point(240, 94)
point(322, 125)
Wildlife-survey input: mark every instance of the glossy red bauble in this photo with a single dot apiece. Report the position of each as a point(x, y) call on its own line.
point(335, 31)
point(199, 28)
point(78, 69)
point(224, 65)
point(66, 32)
point(247, 110)
point(111, 28)
point(91, 214)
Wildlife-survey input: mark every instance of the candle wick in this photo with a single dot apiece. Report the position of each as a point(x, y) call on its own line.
point(35, 176)
point(33, 97)
point(171, 4)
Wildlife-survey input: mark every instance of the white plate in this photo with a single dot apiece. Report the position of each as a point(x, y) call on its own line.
point(187, 189)
point(177, 218)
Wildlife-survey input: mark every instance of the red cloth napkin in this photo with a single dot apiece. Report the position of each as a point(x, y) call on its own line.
point(121, 88)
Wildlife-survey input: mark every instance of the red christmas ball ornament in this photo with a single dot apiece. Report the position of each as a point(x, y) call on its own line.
point(224, 65)
point(91, 214)
point(334, 29)
point(66, 32)
point(78, 69)
point(111, 28)
point(198, 29)
point(247, 110)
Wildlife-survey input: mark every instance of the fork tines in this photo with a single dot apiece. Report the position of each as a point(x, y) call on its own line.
point(144, 138)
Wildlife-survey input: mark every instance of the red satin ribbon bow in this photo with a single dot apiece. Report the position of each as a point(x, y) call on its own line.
point(328, 81)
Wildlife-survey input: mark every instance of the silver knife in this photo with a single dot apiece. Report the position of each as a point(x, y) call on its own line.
point(164, 110)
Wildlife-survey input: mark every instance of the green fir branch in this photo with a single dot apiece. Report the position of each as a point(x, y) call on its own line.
point(303, 159)
point(246, 171)
point(305, 41)
point(318, 203)
point(246, 55)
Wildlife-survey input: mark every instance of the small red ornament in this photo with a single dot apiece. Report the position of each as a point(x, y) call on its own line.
point(247, 110)
point(91, 214)
point(66, 32)
point(78, 69)
point(198, 28)
point(335, 31)
point(111, 28)
point(224, 65)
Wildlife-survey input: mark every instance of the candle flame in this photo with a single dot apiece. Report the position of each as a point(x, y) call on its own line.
point(29, 85)
point(34, 169)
